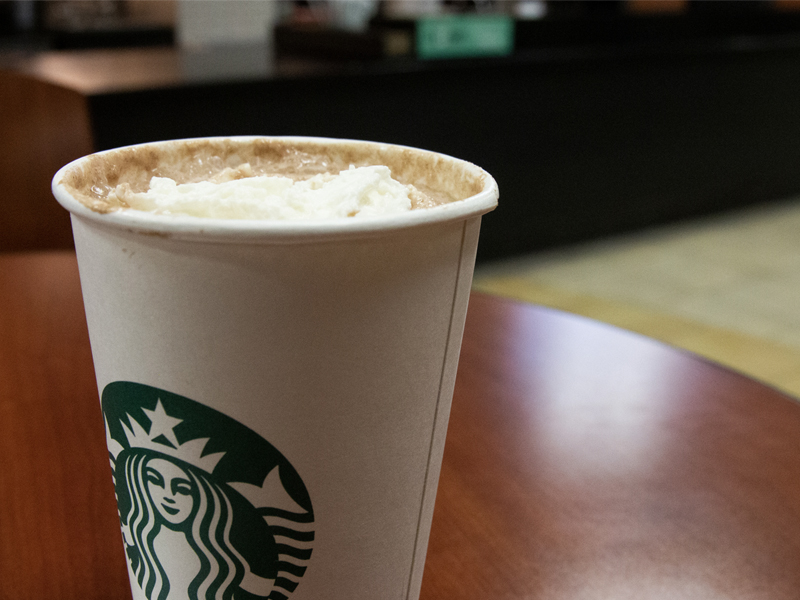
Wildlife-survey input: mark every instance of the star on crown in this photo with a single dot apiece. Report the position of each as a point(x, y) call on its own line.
point(161, 438)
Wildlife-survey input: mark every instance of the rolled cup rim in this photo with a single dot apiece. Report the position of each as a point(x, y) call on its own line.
point(207, 229)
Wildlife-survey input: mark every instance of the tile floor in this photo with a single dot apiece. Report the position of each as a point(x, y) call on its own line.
point(725, 287)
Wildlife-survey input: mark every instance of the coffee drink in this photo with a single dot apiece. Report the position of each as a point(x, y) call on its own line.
point(122, 179)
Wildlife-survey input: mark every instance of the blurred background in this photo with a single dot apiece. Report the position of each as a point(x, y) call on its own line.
point(647, 151)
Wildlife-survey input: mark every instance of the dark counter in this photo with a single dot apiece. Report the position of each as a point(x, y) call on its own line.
point(584, 142)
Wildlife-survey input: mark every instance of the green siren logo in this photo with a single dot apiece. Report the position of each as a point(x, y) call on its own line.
point(208, 508)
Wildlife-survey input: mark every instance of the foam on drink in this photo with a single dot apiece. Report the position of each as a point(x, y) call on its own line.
point(240, 178)
point(240, 194)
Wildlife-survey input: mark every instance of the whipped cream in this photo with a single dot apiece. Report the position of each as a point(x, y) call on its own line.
point(355, 192)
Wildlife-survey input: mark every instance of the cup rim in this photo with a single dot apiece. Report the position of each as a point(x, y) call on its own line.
point(187, 227)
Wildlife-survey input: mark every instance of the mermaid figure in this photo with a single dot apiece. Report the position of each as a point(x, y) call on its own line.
point(156, 494)
point(190, 535)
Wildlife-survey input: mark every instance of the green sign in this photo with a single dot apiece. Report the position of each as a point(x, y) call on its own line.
point(460, 36)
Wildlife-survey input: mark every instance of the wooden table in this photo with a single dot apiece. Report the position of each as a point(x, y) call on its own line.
point(582, 462)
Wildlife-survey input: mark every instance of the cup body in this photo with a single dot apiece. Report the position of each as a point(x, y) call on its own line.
point(275, 404)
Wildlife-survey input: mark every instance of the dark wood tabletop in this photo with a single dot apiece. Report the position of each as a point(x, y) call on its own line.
point(582, 462)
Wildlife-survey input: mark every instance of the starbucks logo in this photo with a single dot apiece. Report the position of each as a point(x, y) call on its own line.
point(208, 508)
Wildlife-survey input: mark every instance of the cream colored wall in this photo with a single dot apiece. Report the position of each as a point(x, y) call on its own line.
point(220, 22)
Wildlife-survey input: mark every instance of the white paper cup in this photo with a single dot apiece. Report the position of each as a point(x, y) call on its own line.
point(276, 394)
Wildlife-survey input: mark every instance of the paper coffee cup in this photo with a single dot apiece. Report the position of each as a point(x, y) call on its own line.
point(276, 394)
